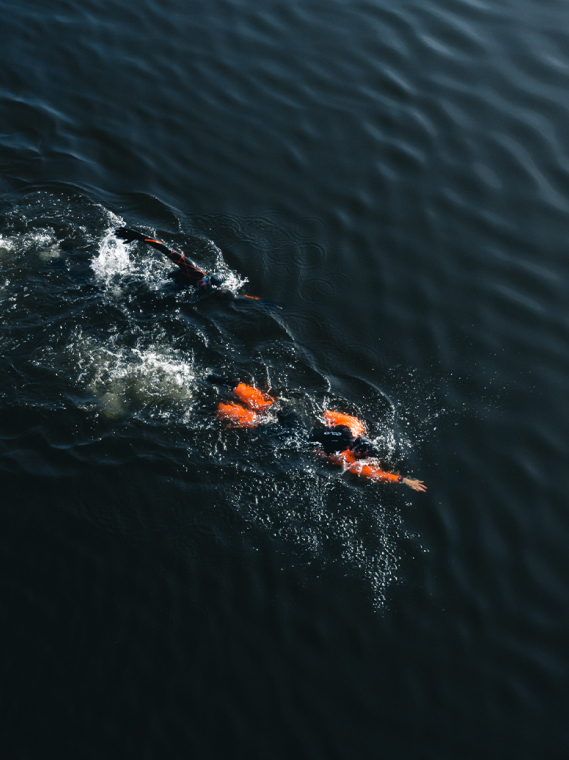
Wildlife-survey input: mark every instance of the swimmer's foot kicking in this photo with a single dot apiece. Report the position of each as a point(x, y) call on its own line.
point(254, 403)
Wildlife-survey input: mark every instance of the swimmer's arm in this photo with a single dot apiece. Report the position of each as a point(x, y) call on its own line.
point(192, 272)
point(178, 258)
point(391, 477)
point(416, 485)
point(131, 235)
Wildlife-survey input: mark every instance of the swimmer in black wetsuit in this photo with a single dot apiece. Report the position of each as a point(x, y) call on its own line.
point(194, 276)
point(341, 440)
point(357, 455)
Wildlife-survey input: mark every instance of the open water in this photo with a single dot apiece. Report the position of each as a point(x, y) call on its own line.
point(392, 179)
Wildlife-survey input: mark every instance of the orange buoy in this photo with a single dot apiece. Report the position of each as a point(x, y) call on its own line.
point(356, 426)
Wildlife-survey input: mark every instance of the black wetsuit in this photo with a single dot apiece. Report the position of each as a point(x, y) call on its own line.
point(331, 440)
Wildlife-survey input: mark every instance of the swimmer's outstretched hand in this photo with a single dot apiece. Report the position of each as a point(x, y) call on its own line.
point(416, 485)
point(129, 235)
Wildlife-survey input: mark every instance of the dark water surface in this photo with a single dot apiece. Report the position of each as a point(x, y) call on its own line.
point(394, 179)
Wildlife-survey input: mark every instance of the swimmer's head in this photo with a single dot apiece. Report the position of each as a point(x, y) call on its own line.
point(210, 281)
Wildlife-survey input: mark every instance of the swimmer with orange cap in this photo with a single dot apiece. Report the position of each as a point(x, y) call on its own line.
point(190, 273)
point(342, 439)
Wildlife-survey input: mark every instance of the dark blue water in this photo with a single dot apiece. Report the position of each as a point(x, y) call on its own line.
point(393, 181)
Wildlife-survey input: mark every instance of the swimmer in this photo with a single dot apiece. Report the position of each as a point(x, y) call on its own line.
point(192, 275)
point(342, 440)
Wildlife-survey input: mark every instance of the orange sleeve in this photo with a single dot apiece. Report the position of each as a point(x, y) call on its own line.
point(359, 467)
point(374, 473)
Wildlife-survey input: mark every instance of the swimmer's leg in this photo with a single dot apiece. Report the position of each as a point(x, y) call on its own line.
point(237, 416)
point(253, 397)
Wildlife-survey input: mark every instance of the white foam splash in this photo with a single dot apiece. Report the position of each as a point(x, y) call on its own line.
point(153, 381)
point(47, 242)
point(113, 260)
point(6, 244)
point(43, 240)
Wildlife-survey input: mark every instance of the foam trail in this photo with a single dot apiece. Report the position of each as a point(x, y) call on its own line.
point(113, 260)
point(155, 378)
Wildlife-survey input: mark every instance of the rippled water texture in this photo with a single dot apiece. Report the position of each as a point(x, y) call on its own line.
point(391, 180)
